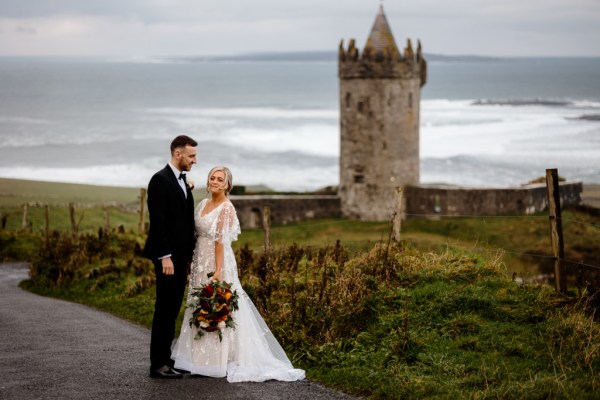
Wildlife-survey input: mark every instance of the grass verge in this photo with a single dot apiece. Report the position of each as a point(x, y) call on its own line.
point(391, 322)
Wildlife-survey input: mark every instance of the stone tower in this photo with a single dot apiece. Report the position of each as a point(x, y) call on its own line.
point(380, 93)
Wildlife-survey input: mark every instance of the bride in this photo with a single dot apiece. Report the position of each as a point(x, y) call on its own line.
point(250, 352)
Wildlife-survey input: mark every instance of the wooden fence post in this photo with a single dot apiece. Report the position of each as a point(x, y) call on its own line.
point(72, 217)
point(106, 220)
point(25, 223)
point(142, 225)
point(556, 234)
point(398, 211)
point(266, 221)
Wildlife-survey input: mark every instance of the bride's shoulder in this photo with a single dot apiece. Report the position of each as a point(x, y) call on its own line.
point(228, 205)
point(201, 204)
point(227, 209)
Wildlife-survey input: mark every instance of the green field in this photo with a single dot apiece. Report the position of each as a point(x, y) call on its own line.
point(15, 192)
point(525, 239)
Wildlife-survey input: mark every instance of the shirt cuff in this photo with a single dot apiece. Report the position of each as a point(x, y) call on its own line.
point(167, 256)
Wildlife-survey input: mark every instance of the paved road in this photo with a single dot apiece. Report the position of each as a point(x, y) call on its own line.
point(52, 349)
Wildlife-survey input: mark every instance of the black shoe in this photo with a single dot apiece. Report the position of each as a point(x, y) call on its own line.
point(165, 372)
point(181, 371)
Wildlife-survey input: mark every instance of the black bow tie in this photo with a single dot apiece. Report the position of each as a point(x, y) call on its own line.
point(182, 176)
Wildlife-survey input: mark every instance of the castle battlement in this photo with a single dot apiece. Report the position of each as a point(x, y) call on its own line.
point(381, 58)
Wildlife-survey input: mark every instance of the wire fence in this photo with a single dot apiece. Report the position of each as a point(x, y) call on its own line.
point(482, 235)
point(477, 235)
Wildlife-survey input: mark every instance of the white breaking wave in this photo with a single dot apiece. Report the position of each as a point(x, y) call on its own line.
point(263, 130)
point(92, 121)
point(322, 140)
point(147, 60)
point(460, 143)
point(454, 128)
point(282, 178)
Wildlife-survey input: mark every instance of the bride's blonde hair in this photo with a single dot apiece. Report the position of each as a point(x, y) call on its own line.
point(228, 179)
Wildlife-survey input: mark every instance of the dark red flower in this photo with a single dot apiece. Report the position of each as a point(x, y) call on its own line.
point(224, 311)
point(205, 305)
point(207, 291)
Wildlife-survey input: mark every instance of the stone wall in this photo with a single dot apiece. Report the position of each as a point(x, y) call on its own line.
point(428, 200)
point(456, 200)
point(285, 209)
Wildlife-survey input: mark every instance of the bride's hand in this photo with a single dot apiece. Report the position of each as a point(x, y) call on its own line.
point(216, 276)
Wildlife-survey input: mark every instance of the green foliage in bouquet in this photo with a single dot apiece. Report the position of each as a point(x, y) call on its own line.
point(213, 305)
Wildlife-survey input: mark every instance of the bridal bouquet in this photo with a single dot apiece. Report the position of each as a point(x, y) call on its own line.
point(212, 307)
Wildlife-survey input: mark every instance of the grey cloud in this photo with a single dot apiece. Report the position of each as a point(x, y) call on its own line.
point(182, 10)
point(512, 27)
point(44, 8)
point(26, 30)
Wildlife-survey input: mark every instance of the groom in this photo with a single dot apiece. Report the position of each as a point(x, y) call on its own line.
point(169, 246)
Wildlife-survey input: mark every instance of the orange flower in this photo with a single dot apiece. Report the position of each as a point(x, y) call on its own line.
point(215, 303)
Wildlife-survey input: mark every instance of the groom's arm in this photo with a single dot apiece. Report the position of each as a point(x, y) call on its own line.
point(157, 208)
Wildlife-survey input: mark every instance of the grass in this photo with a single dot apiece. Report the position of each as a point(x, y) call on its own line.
point(387, 323)
point(525, 239)
point(519, 236)
point(437, 316)
point(88, 219)
point(15, 192)
point(356, 235)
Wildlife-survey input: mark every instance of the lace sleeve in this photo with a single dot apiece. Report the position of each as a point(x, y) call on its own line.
point(226, 227)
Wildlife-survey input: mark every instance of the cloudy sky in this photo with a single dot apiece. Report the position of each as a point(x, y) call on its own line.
point(133, 28)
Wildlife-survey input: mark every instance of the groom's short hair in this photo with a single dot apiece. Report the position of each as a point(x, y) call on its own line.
point(182, 141)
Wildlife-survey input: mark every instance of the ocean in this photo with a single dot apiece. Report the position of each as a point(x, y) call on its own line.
point(484, 122)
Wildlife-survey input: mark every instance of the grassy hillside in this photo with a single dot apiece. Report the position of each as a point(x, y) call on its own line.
point(436, 316)
point(15, 192)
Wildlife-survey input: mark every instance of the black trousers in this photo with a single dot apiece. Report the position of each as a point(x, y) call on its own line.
point(169, 296)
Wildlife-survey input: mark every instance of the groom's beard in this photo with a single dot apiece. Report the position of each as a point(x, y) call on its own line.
point(182, 166)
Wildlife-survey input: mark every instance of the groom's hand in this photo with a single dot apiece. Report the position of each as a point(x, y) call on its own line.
point(167, 266)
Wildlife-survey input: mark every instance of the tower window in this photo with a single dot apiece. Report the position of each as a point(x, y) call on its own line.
point(359, 178)
point(348, 99)
point(410, 100)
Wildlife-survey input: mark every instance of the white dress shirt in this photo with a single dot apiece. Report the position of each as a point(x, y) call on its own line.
point(179, 180)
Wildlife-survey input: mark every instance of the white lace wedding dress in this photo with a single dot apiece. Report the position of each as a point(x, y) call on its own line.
point(248, 353)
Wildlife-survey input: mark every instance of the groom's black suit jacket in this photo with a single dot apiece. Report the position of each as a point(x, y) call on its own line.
point(171, 220)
